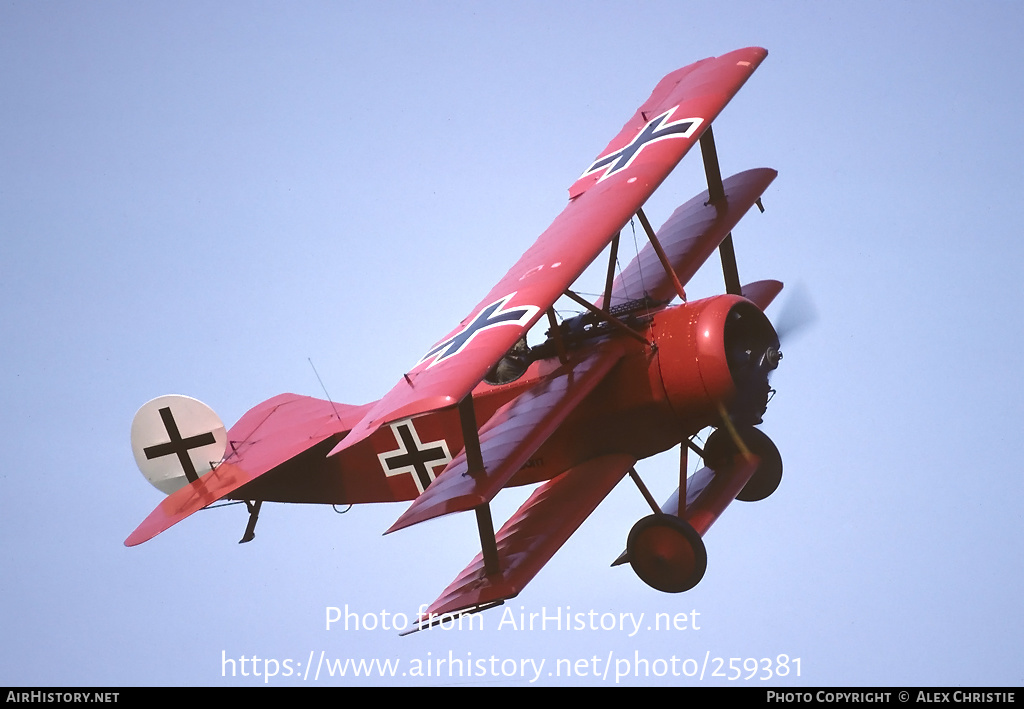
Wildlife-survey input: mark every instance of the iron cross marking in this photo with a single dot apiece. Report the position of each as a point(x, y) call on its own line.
point(179, 446)
point(655, 130)
point(413, 456)
point(488, 317)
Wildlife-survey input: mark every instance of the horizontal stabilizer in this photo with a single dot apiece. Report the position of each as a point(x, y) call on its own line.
point(533, 534)
point(511, 436)
point(224, 479)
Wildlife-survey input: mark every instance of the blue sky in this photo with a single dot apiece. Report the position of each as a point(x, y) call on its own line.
point(197, 198)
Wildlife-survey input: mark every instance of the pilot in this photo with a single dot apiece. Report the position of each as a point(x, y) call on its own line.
point(511, 366)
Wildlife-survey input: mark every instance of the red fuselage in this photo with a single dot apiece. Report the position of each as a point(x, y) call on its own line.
point(657, 395)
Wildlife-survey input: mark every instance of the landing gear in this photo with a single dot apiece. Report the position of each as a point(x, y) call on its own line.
point(721, 448)
point(254, 514)
point(665, 550)
point(666, 553)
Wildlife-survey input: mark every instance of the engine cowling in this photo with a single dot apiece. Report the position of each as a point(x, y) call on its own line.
point(716, 351)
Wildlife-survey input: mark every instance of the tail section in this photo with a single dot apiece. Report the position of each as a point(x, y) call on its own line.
point(181, 447)
point(176, 440)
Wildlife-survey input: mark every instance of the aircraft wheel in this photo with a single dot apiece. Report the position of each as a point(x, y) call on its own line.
point(721, 447)
point(667, 553)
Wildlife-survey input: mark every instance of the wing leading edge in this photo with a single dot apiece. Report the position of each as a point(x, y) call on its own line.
point(602, 201)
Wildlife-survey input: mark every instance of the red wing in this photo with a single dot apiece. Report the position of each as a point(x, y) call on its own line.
point(761, 293)
point(266, 436)
point(534, 533)
point(601, 202)
point(511, 436)
point(689, 237)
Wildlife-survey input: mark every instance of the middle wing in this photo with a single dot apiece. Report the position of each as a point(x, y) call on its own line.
point(511, 436)
point(689, 237)
point(601, 202)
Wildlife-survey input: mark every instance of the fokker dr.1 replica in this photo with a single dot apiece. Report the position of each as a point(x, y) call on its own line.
point(630, 377)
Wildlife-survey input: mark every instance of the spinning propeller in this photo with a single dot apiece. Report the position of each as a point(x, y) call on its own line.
point(797, 314)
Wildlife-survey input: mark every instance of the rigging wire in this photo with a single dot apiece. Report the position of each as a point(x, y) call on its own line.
point(222, 504)
point(324, 388)
point(639, 265)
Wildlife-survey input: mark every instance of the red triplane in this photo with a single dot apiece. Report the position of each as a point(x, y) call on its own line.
point(481, 410)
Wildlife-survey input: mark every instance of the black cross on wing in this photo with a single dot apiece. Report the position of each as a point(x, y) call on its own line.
point(656, 129)
point(490, 316)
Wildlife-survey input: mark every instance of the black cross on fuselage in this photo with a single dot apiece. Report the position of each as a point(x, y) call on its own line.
point(179, 446)
point(413, 456)
point(656, 130)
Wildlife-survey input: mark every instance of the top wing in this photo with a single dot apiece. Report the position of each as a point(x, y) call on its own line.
point(266, 436)
point(602, 201)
